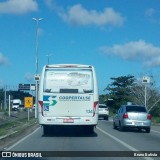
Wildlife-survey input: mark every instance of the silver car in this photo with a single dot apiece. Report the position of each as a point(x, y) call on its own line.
point(132, 116)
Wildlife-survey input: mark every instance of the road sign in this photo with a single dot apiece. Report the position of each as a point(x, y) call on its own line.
point(24, 87)
point(37, 77)
point(146, 80)
point(28, 102)
point(32, 87)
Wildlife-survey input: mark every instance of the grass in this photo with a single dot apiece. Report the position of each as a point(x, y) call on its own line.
point(16, 125)
point(156, 120)
point(5, 127)
point(3, 131)
point(9, 124)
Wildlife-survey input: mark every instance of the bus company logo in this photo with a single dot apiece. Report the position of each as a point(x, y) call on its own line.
point(49, 100)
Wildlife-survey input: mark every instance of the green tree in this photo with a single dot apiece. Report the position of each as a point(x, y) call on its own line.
point(19, 94)
point(119, 90)
point(15, 95)
point(152, 97)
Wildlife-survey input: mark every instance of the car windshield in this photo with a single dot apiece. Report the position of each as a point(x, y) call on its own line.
point(135, 109)
point(15, 103)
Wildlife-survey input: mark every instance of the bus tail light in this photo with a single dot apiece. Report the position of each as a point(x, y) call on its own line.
point(95, 107)
point(41, 104)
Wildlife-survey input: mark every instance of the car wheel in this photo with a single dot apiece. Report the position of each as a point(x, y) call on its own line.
point(106, 118)
point(148, 130)
point(114, 125)
point(121, 128)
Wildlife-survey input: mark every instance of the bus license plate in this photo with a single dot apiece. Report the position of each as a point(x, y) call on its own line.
point(68, 120)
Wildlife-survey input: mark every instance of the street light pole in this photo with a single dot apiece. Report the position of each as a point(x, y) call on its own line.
point(145, 80)
point(48, 55)
point(37, 23)
point(145, 95)
point(36, 95)
point(5, 92)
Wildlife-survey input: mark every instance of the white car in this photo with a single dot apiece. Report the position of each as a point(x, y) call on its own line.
point(103, 111)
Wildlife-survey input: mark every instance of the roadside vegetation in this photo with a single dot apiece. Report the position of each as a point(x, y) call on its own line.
point(6, 126)
point(126, 89)
point(15, 127)
point(156, 120)
point(17, 122)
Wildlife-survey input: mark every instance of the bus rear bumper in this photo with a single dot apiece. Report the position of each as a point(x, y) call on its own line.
point(68, 120)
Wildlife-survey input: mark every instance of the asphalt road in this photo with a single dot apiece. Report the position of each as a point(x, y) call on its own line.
point(105, 138)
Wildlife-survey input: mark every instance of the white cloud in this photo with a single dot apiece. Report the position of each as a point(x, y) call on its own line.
point(1, 83)
point(141, 51)
point(150, 12)
point(49, 3)
point(153, 15)
point(78, 15)
point(3, 59)
point(29, 77)
point(18, 6)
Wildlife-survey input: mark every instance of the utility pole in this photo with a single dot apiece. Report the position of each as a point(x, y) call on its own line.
point(48, 55)
point(9, 109)
point(36, 95)
point(145, 81)
point(5, 95)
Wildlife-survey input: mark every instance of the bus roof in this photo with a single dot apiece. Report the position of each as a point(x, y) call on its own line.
point(68, 66)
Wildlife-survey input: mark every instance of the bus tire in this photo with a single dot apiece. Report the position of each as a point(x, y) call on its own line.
point(90, 129)
point(45, 130)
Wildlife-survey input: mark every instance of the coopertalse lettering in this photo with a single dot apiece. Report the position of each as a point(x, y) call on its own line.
point(74, 98)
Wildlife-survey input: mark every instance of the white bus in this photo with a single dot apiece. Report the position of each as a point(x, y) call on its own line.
point(68, 95)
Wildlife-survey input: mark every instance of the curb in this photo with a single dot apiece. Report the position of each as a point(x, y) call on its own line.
point(2, 137)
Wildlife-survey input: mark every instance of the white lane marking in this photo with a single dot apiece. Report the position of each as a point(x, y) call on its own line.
point(155, 131)
point(9, 148)
point(123, 143)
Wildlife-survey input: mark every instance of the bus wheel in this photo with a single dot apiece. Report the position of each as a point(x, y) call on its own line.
point(90, 129)
point(45, 130)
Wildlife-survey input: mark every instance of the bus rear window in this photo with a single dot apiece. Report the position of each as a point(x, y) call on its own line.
point(68, 81)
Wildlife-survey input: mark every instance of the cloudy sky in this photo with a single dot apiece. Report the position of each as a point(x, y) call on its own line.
point(117, 37)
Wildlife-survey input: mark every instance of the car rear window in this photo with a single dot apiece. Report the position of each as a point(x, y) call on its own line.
point(102, 106)
point(135, 109)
